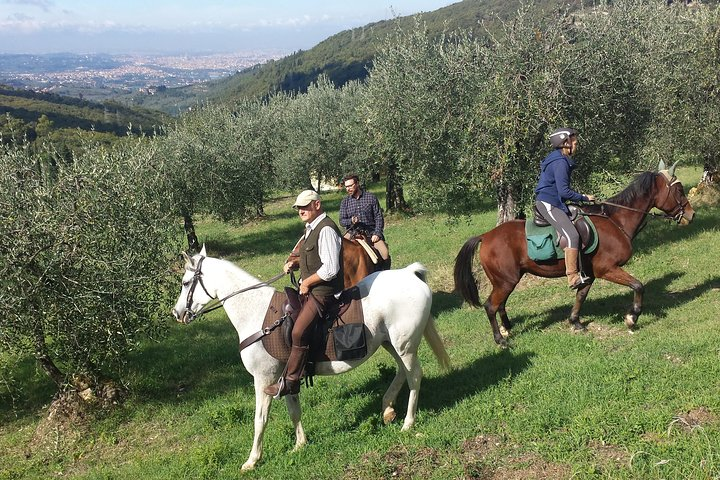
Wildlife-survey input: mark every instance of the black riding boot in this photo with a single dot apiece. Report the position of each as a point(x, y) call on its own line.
point(289, 383)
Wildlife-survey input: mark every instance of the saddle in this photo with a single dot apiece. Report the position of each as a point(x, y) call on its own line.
point(546, 243)
point(339, 335)
point(362, 236)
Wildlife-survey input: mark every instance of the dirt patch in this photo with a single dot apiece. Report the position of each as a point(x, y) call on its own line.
point(397, 463)
point(694, 419)
point(488, 458)
point(609, 456)
point(66, 422)
point(69, 415)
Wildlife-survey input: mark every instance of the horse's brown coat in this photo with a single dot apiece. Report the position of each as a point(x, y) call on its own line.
point(503, 250)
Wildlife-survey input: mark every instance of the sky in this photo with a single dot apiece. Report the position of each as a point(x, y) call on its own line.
point(185, 26)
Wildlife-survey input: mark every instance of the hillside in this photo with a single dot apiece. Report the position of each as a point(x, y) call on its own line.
point(74, 113)
point(342, 57)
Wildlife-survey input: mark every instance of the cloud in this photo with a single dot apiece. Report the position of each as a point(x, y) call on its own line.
point(45, 5)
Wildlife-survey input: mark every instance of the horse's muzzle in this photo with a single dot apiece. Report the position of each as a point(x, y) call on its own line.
point(687, 217)
point(185, 318)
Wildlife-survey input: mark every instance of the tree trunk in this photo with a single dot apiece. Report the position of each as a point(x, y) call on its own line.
point(44, 359)
point(193, 243)
point(394, 196)
point(710, 170)
point(507, 205)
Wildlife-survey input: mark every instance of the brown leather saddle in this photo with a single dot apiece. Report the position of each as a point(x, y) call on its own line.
point(343, 320)
point(586, 232)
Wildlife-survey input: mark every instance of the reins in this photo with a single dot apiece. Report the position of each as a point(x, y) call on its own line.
point(197, 278)
point(663, 216)
point(646, 213)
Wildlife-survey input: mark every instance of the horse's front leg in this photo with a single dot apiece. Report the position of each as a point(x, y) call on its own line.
point(620, 276)
point(580, 297)
point(262, 410)
point(506, 323)
point(294, 410)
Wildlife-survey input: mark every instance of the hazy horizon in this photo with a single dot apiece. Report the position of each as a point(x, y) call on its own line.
point(182, 26)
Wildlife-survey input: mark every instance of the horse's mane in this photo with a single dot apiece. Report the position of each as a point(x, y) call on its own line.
point(639, 187)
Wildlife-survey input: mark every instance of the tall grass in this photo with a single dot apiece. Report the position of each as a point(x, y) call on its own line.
point(603, 404)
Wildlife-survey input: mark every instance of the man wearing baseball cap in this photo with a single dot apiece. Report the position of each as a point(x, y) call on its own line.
point(321, 278)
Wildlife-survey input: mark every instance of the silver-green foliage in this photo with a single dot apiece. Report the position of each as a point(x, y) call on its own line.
point(315, 134)
point(85, 250)
point(218, 161)
point(460, 118)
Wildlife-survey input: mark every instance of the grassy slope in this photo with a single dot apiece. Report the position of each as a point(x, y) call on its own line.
point(605, 404)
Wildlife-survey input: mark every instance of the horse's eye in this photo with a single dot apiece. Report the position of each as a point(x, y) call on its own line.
point(186, 283)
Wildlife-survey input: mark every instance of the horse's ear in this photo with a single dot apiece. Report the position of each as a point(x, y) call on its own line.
point(671, 171)
point(203, 252)
point(661, 166)
point(188, 260)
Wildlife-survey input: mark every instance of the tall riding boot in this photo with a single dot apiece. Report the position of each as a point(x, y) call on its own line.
point(289, 383)
point(575, 281)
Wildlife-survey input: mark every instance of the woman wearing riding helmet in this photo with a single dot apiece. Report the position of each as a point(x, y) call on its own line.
point(553, 190)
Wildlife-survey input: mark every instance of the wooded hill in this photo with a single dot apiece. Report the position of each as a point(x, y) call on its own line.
point(342, 57)
point(74, 113)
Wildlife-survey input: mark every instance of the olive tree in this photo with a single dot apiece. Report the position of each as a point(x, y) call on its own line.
point(84, 257)
point(312, 141)
point(416, 108)
point(218, 163)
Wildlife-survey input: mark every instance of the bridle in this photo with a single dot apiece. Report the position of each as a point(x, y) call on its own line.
point(676, 214)
point(198, 280)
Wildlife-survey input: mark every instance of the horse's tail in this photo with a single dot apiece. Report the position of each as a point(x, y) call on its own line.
point(419, 270)
point(436, 344)
point(465, 282)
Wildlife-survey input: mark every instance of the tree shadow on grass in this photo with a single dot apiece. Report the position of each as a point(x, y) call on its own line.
point(657, 233)
point(444, 302)
point(444, 391)
point(658, 300)
point(270, 241)
point(190, 363)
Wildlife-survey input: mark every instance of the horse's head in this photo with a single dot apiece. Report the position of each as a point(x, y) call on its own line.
point(671, 197)
point(191, 299)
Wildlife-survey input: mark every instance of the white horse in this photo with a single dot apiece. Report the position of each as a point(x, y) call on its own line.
point(396, 306)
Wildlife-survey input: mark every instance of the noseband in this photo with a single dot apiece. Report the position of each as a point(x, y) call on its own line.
point(677, 213)
point(197, 280)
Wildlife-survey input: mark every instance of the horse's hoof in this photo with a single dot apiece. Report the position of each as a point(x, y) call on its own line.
point(247, 466)
point(501, 342)
point(630, 321)
point(578, 328)
point(389, 415)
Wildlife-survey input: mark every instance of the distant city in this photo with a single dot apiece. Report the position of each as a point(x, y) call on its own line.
point(102, 76)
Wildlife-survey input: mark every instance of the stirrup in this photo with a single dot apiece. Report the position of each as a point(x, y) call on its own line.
point(581, 282)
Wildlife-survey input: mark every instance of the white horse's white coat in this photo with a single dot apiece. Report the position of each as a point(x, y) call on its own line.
point(396, 305)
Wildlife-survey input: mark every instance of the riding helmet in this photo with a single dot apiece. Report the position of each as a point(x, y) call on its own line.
point(560, 136)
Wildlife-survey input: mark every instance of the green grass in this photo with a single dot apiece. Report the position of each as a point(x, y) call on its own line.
point(603, 404)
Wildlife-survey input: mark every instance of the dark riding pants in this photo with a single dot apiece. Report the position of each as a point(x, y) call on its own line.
point(310, 313)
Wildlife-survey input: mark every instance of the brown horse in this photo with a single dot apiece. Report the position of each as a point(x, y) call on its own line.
point(357, 264)
point(504, 255)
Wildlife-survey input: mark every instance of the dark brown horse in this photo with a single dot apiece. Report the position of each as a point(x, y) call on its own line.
point(357, 264)
point(504, 255)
